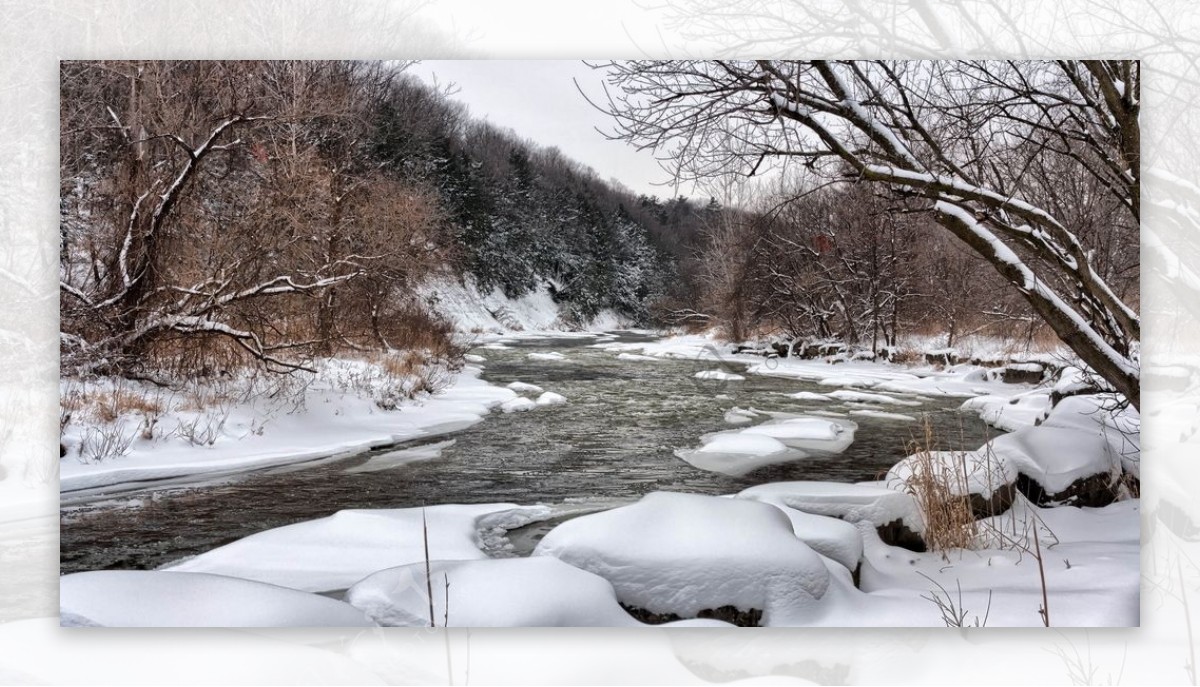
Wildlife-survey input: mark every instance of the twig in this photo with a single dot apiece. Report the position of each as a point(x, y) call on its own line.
point(428, 574)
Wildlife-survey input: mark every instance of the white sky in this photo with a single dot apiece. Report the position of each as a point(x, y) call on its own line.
point(539, 100)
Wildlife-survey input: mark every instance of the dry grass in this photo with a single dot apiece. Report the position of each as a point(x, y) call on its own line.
point(937, 486)
point(906, 355)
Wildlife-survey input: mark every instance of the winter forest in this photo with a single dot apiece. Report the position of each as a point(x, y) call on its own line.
point(338, 349)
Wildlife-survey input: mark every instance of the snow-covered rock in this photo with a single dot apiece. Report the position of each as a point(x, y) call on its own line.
point(518, 405)
point(679, 554)
point(506, 592)
point(865, 397)
point(1077, 455)
point(148, 598)
point(988, 481)
point(335, 552)
point(893, 513)
point(550, 398)
point(1010, 413)
point(522, 387)
point(740, 416)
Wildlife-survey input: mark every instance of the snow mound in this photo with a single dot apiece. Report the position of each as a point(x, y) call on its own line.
point(550, 398)
point(148, 598)
point(963, 472)
point(518, 405)
point(683, 553)
point(1083, 436)
point(522, 387)
point(835, 539)
point(737, 453)
point(1010, 413)
point(853, 503)
point(719, 375)
point(505, 592)
point(335, 552)
point(473, 358)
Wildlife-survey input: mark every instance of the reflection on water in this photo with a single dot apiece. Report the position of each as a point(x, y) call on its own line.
point(613, 441)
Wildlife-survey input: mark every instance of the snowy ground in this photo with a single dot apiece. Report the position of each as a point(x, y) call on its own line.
point(783, 554)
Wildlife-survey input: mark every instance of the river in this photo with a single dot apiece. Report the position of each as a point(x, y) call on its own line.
point(612, 442)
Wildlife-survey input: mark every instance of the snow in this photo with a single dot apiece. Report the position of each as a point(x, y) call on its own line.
point(864, 397)
point(474, 358)
point(507, 592)
point(719, 375)
point(963, 472)
point(835, 539)
point(395, 459)
point(335, 552)
point(737, 453)
point(550, 398)
point(145, 598)
point(522, 387)
point(883, 415)
point(682, 553)
point(1083, 436)
point(808, 396)
point(471, 310)
point(634, 357)
point(877, 505)
point(332, 422)
point(518, 405)
point(811, 433)
point(1010, 413)
point(740, 416)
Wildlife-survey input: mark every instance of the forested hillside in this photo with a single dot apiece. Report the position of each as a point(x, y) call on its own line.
point(219, 212)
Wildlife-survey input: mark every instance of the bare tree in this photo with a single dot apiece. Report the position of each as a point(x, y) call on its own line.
point(960, 139)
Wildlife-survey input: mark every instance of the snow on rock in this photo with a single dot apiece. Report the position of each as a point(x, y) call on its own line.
point(835, 539)
point(518, 405)
point(337, 551)
point(737, 453)
point(522, 387)
point(683, 553)
point(1010, 413)
point(865, 397)
point(963, 472)
point(871, 503)
point(719, 375)
point(148, 598)
point(1078, 452)
point(550, 398)
point(474, 358)
point(504, 592)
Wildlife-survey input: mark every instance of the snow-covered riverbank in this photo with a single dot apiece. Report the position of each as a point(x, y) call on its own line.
point(786, 553)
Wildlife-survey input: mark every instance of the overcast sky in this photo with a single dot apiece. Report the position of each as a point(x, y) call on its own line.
point(539, 100)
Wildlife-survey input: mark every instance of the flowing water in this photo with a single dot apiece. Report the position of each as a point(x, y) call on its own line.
point(613, 441)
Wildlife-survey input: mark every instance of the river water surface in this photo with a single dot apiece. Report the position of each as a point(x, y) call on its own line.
point(612, 442)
